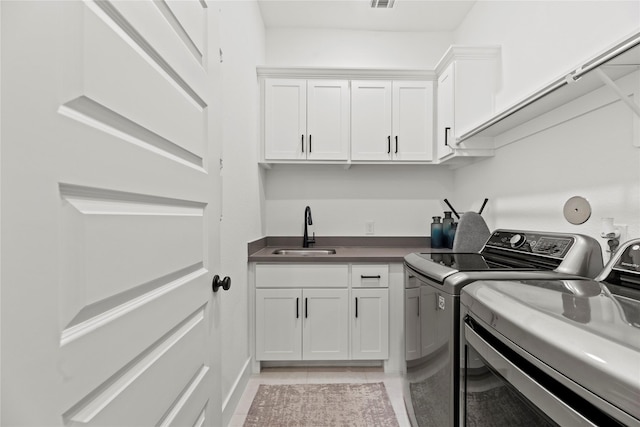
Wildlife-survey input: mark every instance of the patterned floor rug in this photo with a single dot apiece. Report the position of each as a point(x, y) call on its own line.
point(321, 405)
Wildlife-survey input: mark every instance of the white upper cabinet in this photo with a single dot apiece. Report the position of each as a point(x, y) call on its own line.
point(371, 120)
point(306, 119)
point(413, 120)
point(391, 120)
point(328, 119)
point(285, 119)
point(380, 116)
point(466, 91)
point(446, 113)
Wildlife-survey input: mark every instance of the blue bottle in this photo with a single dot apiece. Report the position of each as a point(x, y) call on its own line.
point(437, 240)
point(447, 221)
point(452, 235)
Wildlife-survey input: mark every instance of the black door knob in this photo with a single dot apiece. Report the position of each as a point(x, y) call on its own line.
point(217, 283)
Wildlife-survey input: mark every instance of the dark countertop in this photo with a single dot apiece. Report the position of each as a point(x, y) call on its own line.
point(348, 249)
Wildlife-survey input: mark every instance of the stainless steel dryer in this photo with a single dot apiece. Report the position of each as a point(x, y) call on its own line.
point(433, 282)
point(554, 352)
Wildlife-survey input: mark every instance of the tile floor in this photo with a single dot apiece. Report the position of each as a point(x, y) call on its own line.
point(317, 375)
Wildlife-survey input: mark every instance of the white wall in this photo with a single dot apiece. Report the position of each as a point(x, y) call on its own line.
point(399, 199)
point(350, 48)
point(242, 41)
point(591, 155)
point(543, 40)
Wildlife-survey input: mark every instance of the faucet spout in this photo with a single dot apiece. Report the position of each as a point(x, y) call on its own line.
point(306, 241)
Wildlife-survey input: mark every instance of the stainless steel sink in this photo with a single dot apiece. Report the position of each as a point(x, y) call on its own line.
point(304, 252)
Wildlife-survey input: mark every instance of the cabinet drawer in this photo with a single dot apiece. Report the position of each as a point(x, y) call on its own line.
point(302, 275)
point(370, 276)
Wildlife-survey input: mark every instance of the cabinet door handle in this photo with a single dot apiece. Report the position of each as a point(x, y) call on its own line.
point(389, 144)
point(362, 276)
point(418, 306)
point(356, 307)
point(302, 143)
point(297, 308)
point(309, 143)
point(306, 308)
point(396, 144)
point(446, 135)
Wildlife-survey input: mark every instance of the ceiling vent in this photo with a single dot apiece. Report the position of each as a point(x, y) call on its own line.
point(382, 4)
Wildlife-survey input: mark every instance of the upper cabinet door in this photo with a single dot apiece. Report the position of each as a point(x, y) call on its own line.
point(466, 90)
point(445, 130)
point(285, 119)
point(392, 120)
point(412, 136)
point(328, 109)
point(371, 120)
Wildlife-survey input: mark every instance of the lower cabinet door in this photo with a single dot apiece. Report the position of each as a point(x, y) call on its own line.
point(370, 324)
point(278, 324)
point(325, 324)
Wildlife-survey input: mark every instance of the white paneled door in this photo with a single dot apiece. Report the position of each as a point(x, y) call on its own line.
point(110, 213)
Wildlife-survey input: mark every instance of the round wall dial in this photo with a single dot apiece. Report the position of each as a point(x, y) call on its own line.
point(577, 210)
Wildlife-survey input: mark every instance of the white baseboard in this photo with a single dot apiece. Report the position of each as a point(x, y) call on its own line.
point(232, 399)
point(321, 363)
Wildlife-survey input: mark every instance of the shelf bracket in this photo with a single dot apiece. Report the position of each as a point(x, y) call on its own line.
point(607, 80)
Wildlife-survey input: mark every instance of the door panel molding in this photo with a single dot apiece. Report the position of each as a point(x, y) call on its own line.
point(93, 114)
point(103, 405)
point(186, 19)
point(109, 13)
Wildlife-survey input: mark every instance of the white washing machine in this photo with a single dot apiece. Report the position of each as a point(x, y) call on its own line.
point(553, 352)
point(433, 282)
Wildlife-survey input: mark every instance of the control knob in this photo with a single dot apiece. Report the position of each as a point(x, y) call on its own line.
point(517, 240)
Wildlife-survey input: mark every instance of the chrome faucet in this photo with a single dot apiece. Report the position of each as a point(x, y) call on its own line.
point(306, 241)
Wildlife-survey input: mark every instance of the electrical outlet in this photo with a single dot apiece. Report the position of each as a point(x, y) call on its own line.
point(369, 227)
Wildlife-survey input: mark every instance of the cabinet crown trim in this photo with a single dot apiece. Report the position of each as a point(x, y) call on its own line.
point(464, 52)
point(345, 73)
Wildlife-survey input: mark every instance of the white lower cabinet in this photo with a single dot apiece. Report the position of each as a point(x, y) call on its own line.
point(302, 324)
point(325, 327)
point(370, 324)
point(296, 319)
point(278, 324)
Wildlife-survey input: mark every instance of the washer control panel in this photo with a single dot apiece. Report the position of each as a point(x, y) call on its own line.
point(554, 245)
point(629, 260)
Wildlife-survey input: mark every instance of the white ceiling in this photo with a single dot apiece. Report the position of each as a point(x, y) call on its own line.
point(406, 15)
